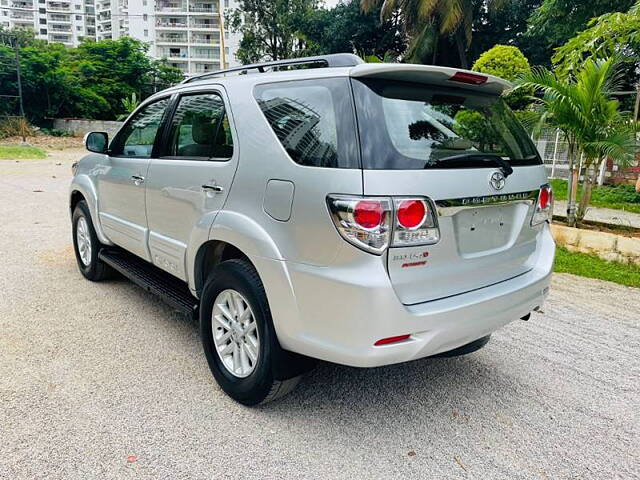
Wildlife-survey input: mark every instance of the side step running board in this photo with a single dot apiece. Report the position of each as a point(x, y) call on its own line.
point(154, 280)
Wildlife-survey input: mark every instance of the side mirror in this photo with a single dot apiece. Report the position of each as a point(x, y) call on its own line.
point(96, 142)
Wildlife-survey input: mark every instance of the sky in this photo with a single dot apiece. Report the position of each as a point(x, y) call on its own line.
point(331, 3)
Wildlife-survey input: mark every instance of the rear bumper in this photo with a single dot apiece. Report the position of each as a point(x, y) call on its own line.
point(342, 311)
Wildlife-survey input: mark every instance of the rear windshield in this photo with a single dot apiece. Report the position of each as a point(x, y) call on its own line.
point(409, 126)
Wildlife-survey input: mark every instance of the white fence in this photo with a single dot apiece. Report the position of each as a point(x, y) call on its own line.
point(554, 151)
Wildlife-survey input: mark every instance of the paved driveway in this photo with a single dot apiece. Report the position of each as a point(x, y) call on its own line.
point(104, 381)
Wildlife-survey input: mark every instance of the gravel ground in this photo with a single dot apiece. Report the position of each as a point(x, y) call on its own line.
point(104, 381)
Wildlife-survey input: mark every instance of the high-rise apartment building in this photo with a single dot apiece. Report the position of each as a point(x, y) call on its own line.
point(190, 34)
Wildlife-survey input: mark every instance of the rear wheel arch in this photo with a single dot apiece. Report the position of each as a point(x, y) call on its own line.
point(209, 255)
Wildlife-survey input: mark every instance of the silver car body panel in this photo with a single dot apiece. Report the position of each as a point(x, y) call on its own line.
point(329, 299)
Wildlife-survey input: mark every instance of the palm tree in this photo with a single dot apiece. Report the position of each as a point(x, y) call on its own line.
point(583, 108)
point(426, 20)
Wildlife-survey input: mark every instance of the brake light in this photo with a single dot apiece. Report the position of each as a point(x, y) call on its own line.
point(375, 223)
point(544, 206)
point(368, 214)
point(470, 78)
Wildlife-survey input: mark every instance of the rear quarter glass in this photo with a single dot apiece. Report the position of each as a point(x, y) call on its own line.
point(313, 120)
point(405, 126)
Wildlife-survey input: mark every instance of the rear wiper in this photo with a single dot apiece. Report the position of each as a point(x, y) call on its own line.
point(482, 157)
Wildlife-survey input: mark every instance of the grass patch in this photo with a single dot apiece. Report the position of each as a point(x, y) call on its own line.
point(592, 266)
point(21, 152)
point(618, 197)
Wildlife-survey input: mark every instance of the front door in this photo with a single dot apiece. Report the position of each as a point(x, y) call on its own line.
point(121, 180)
point(189, 182)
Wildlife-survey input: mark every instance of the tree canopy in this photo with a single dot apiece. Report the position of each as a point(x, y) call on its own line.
point(271, 30)
point(88, 81)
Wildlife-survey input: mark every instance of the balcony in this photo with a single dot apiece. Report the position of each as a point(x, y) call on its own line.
point(212, 54)
point(208, 8)
point(183, 67)
point(200, 25)
point(61, 38)
point(58, 7)
point(205, 40)
point(164, 6)
point(174, 54)
point(18, 15)
point(171, 39)
point(59, 18)
point(171, 23)
point(206, 67)
point(60, 29)
point(22, 4)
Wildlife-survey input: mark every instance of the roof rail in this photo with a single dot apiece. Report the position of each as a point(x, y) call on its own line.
point(333, 60)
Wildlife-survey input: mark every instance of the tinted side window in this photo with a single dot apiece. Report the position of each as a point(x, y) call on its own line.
point(313, 119)
point(200, 128)
point(137, 137)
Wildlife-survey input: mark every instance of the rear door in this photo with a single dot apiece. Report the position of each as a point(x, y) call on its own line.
point(456, 147)
point(189, 182)
point(121, 179)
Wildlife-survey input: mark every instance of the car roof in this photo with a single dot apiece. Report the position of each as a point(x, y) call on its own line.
point(423, 74)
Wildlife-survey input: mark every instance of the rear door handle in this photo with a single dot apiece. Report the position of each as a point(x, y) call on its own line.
point(213, 188)
point(137, 179)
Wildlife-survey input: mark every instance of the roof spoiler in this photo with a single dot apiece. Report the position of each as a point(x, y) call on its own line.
point(321, 61)
point(433, 75)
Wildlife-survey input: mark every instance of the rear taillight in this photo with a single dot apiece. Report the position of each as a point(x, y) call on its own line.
point(375, 223)
point(544, 206)
point(364, 222)
point(415, 223)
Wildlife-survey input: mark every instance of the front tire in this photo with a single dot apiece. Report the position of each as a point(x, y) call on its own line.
point(238, 337)
point(86, 245)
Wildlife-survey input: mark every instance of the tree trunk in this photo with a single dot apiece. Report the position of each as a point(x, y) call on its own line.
point(636, 110)
point(434, 58)
point(587, 189)
point(462, 51)
point(572, 186)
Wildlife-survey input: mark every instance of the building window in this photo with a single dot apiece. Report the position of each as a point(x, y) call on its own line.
point(144, 3)
point(146, 33)
point(78, 17)
point(145, 17)
point(42, 10)
point(226, 3)
point(43, 21)
point(79, 28)
point(78, 7)
point(43, 31)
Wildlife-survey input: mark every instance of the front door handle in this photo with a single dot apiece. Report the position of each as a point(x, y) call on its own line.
point(137, 179)
point(213, 188)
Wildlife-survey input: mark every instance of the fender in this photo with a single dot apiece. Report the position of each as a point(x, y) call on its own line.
point(82, 183)
point(248, 236)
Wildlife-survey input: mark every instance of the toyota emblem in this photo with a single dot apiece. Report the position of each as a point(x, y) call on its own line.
point(497, 180)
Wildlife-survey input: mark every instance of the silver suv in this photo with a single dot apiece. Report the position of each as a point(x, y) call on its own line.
point(322, 208)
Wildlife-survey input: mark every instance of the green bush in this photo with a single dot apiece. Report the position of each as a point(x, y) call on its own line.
point(506, 62)
point(54, 132)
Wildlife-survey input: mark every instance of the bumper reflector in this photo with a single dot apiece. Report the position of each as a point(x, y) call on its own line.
point(387, 341)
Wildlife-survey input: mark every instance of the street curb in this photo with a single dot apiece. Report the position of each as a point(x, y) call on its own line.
point(608, 246)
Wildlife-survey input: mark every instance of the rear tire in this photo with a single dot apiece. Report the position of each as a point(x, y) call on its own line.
point(239, 339)
point(465, 349)
point(87, 246)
